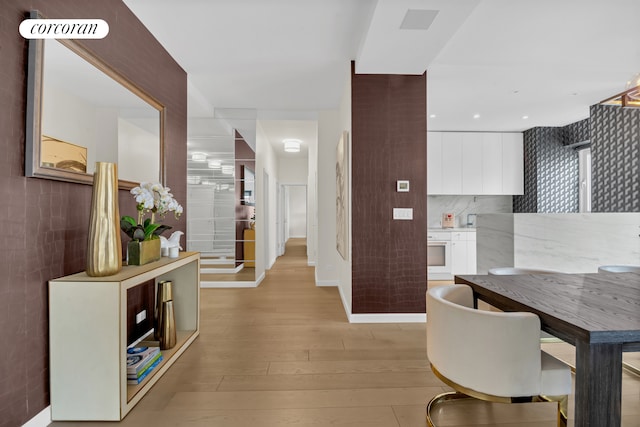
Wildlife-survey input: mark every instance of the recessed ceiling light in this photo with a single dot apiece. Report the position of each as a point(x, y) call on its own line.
point(214, 164)
point(432, 116)
point(198, 157)
point(476, 116)
point(525, 117)
point(292, 145)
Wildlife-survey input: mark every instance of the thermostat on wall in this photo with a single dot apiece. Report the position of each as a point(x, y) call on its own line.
point(402, 186)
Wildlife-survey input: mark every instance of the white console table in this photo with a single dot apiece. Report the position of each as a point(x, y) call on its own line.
point(88, 337)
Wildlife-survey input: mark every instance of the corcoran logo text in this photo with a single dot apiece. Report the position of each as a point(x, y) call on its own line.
point(64, 29)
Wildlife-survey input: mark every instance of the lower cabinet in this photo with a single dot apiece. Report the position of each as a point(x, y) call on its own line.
point(88, 337)
point(463, 252)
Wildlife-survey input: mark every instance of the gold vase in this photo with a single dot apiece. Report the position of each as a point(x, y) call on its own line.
point(168, 335)
point(104, 248)
point(164, 293)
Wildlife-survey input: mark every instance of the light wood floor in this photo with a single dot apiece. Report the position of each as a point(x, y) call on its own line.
point(284, 354)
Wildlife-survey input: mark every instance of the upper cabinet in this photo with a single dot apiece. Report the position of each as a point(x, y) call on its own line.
point(475, 163)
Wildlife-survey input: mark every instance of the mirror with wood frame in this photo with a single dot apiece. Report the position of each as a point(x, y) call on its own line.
point(81, 111)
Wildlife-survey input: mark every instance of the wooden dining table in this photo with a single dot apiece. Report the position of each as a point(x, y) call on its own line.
point(599, 313)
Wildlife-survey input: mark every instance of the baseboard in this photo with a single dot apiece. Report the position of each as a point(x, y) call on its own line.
point(347, 307)
point(216, 284)
point(205, 270)
point(379, 317)
point(320, 283)
point(311, 263)
point(260, 279)
point(43, 419)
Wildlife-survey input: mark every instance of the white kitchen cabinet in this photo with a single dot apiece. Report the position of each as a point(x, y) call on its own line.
point(491, 163)
point(512, 163)
point(434, 162)
point(452, 163)
point(88, 337)
point(472, 165)
point(475, 163)
point(463, 252)
point(472, 257)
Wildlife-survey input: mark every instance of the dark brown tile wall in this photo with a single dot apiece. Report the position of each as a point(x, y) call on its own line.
point(389, 273)
point(44, 223)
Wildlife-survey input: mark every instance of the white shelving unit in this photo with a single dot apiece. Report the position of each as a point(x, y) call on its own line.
point(88, 337)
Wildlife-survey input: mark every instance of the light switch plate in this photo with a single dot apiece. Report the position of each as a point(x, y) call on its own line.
point(403, 213)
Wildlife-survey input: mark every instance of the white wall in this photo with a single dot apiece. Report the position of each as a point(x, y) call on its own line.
point(138, 153)
point(62, 112)
point(293, 173)
point(312, 195)
point(331, 269)
point(297, 204)
point(266, 161)
point(327, 269)
point(293, 170)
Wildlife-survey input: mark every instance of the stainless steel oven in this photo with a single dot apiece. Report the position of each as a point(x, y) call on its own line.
point(439, 255)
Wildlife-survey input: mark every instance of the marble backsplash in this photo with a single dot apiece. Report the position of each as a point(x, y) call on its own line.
point(569, 242)
point(461, 206)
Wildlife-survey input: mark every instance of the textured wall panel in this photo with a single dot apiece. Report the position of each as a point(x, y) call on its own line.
point(46, 222)
point(551, 169)
point(615, 159)
point(388, 144)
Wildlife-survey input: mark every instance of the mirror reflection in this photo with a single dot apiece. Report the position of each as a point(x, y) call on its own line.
point(86, 116)
point(221, 202)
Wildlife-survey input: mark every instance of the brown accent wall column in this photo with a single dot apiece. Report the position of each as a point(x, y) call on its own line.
point(389, 143)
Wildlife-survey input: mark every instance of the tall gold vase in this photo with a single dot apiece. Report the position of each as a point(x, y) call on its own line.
point(104, 248)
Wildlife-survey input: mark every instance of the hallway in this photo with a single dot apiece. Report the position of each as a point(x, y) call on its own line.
point(283, 354)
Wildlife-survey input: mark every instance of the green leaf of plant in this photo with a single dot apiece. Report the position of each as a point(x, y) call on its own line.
point(129, 220)
point(138, 234)
point(149, 229)
point(127, 227)
point(161, 229)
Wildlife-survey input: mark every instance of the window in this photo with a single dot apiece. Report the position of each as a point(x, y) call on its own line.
point(584, 159)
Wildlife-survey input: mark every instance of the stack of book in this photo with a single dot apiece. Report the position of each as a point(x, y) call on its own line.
point(140, 362)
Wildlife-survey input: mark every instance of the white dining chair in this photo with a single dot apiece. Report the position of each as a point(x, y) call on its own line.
point(619, 269)
point(492, 356)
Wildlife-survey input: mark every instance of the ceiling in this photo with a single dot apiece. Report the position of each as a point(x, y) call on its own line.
point(281, 61)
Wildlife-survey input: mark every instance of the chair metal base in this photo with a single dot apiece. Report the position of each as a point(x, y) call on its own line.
point(463, 393)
